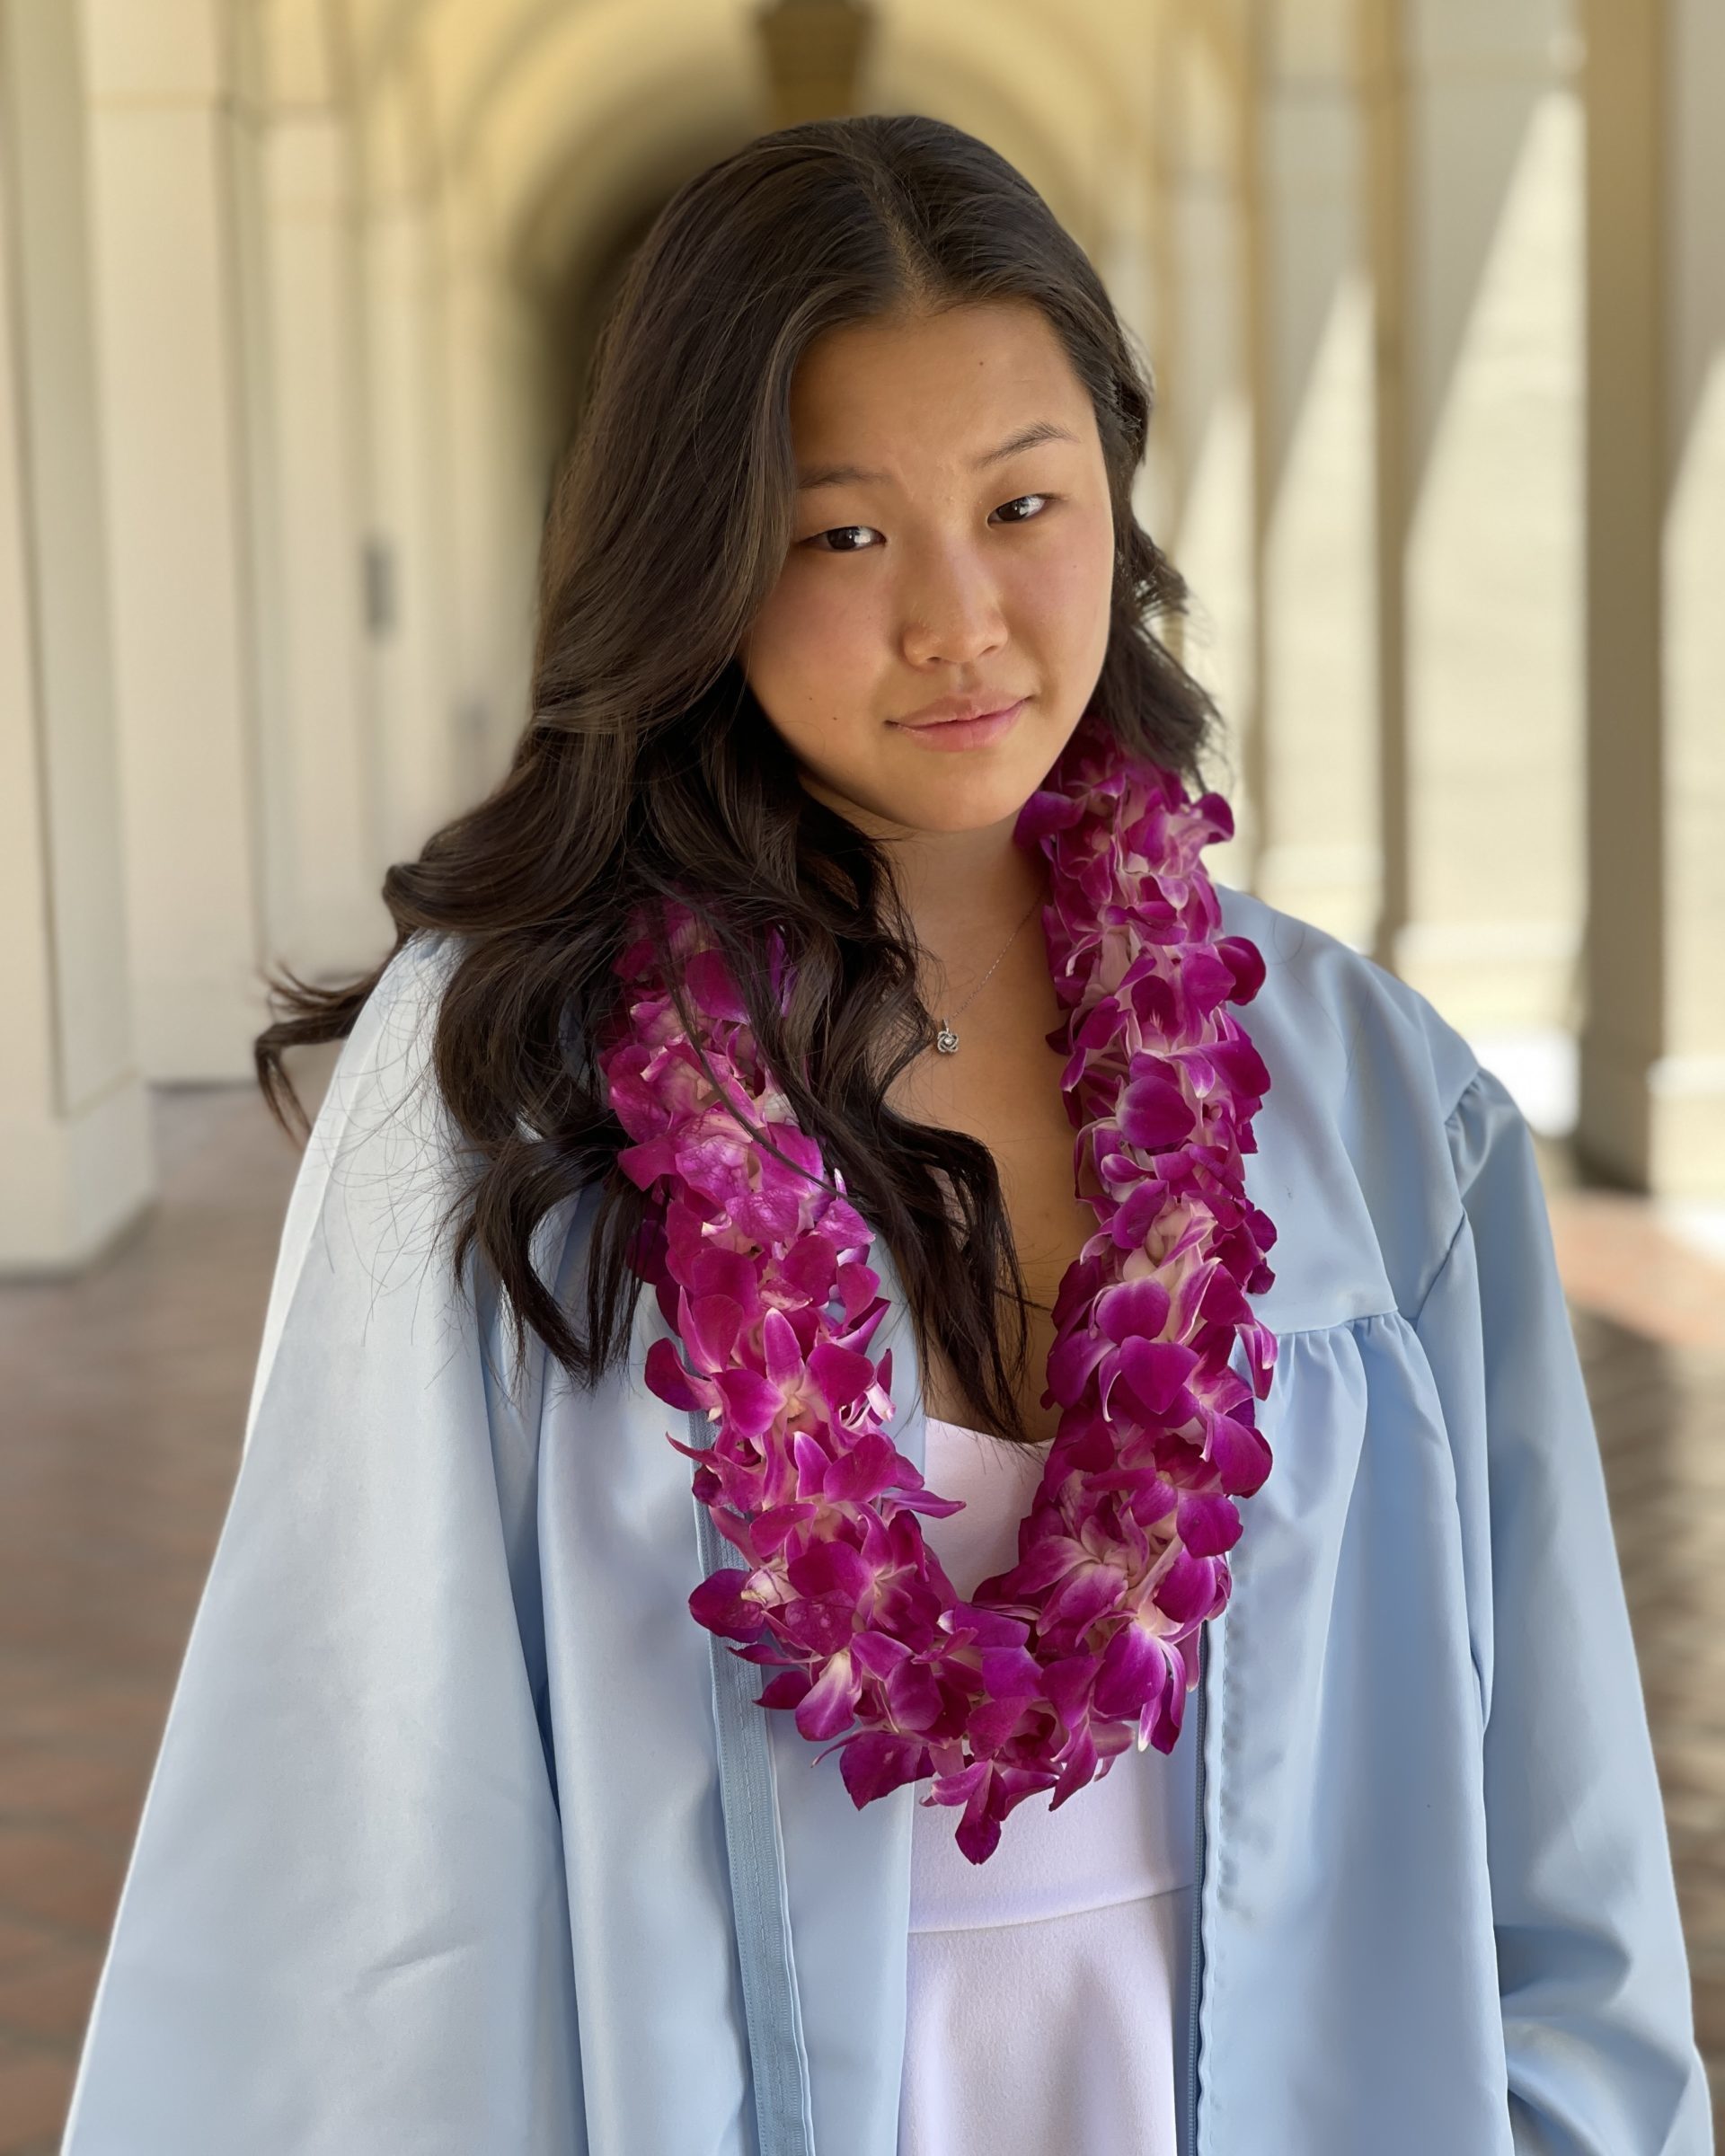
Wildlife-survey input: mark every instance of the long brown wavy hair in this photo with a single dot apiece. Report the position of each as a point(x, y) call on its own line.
point(648, 768)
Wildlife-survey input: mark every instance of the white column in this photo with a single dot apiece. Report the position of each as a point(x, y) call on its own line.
point(413, 682)
point(1474, 187)
point(1652, 1109)
point(171, 333)
point(1208, 412)
point(324, 814)
point(75, 1154)
point(501, 446)
point(1309, 329)
point(1127, 260)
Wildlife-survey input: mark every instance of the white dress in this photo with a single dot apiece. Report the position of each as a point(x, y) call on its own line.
point(1048, 1986)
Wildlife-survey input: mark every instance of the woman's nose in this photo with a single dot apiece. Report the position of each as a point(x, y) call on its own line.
point(952, 611)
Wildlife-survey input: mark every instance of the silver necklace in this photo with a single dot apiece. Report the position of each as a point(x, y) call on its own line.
point(946, 1040)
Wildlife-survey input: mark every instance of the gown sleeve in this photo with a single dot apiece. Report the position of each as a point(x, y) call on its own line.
point(1597, 2018)
point(344, 1925)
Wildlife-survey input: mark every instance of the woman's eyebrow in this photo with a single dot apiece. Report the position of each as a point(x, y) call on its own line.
point(853, 475)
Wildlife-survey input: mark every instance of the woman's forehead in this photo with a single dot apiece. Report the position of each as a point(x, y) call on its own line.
point(984, 384)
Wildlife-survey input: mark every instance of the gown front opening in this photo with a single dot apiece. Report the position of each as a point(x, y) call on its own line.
point(1049, 1988)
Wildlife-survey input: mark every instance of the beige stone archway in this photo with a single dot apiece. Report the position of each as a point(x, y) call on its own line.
point(344, 257)
point(495, 157)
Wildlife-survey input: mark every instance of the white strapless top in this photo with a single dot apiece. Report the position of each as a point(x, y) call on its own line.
point(1048, 1986)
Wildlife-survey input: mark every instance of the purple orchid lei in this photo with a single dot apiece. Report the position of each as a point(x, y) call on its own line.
point(761, 1271)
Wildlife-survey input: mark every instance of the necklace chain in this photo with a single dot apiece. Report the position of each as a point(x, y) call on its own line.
point(945, 1039)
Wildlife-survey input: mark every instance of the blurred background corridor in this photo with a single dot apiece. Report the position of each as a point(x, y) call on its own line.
point(299, 297)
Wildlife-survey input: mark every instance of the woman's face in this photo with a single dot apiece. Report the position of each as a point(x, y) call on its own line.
point(939, 554)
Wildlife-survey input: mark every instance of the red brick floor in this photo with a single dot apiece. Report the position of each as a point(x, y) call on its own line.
point(124, 1392)
point(124, 1395)
point(1650, 1317)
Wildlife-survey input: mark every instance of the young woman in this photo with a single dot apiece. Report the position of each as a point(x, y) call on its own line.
point(1106, 1390)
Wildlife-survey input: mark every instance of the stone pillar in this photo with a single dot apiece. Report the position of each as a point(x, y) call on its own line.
point(75, 1152)
point(1652, 1094)
point(1309, 333)
point(164, 140)
point(1207, 414)
point(1474, 183)
point(502, 443)
point(323, 805)
point(411, 676)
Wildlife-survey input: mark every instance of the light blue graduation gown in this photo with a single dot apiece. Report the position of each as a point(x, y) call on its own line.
point(462, 1838)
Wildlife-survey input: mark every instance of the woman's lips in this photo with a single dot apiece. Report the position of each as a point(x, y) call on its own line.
point(963, 733)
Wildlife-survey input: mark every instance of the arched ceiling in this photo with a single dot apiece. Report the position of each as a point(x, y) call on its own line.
point(556, 117)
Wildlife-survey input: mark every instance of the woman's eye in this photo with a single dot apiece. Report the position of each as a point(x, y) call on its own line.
point(1019, 499)
point(840, 531)
point(844, 532)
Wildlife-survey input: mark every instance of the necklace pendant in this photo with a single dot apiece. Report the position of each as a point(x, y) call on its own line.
point(947, 1041)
